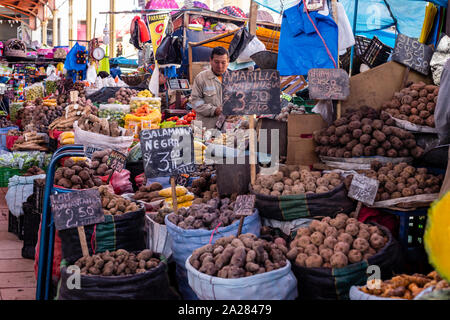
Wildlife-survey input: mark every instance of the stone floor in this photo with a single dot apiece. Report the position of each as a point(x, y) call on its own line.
point(17, 280)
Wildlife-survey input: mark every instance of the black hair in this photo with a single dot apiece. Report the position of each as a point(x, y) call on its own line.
point(219, 51)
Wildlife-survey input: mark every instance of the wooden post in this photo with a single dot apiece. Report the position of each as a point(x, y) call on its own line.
point(55, 28)
point(44, 25)
point(252, 145)
point(88, 19)
point(112, 29)
point(241, 223)
point(358, 208)
point(335, 18)
point(71, 25)
point(252, 17)
point(174, 195)
point(82, 236)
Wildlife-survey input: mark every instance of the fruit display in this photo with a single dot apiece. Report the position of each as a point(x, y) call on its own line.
point(149, 193)
point(29, 141)
point(152, 103)
point(366, 132)
point(415, 103)
point(114, 204)
point(144, 94)
point(76, 175)
point(405, 286)
point(206, 215)
point(237, 257)
point(291, 108)
point(34, 92)
point(289, 180)
point(98, 163)
point(118, 263)
point(94, 124)
point(123, 95)
point(50, 87)
point(335, 243)
point(115, 115)
point(402, 180)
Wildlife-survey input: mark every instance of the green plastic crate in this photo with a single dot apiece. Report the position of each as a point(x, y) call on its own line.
point(6, 173)
point(308, 104)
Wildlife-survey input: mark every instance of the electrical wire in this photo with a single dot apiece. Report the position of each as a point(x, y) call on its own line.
point(318, 32)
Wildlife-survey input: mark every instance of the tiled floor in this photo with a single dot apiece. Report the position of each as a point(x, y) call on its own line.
point(17, 280)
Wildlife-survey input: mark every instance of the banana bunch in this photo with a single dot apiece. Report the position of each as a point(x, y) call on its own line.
point(67, 137)
point(145, 94)
point(199, 152)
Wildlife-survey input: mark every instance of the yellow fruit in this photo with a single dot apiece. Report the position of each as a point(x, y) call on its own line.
point(437, 236)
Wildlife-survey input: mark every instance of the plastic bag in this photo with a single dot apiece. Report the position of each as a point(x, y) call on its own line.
point(254, 46)
point(121, 183)
point(91, 74)
point(101, 141)
point(325, 109)
point(19, 189)
point(34, 91)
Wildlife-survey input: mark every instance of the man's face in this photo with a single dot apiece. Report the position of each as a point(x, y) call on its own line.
point(219, 64)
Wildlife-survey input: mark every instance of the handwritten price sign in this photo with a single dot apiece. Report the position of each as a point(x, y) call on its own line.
point(327, 84)
point(363, 189)
point(413, 54)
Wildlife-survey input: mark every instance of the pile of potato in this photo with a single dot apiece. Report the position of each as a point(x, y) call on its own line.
point(161, 215)
point(206, 215)
point(92, 123)
point(291, 108)
point(4, 122)
point(366, 132)
point(73, 112)
point(43, 116)
point(236, 257)
point(123, 96)
point(33, 171)
point(149, 193)
point(98, 163)
point(402, 180)
point(114, 204)
point(118, 263)
point(405, 286)
point(76, 175)
point(335, 243)
point(205, 187)
point(289, 180)
point(415, 103)
point(30, 141)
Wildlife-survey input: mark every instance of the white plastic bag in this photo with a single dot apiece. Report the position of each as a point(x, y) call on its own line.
point(95, 140)
point(254, 46)
point(158, 237)
point(19, 189)
point(279, 284)
point(91, 74)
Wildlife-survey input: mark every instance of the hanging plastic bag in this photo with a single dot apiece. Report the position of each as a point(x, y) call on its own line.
point(254, 46)
point(169, 51)
point(91, 74)
point(239, 42)
point(104, 63)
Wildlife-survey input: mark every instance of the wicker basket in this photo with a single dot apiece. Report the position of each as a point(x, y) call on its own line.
point(135, 80)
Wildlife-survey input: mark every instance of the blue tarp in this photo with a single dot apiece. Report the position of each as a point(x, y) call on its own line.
point(374, 14)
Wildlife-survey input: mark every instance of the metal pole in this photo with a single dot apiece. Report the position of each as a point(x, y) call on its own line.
point(355, 18)
point(112, 29)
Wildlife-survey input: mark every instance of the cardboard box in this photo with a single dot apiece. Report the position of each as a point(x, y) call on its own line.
point(300, 145)
point(376, 86)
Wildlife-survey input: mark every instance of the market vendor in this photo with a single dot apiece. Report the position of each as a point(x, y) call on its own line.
point(206, 97)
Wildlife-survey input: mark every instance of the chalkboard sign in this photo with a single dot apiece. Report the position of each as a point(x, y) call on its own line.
point(411, 53)
point(251, 92)
point(76, 209)
point(363, 189)
point(325, 84)
point(244, 205)
point(167, 151)
point(89, 150)
point(116, 161)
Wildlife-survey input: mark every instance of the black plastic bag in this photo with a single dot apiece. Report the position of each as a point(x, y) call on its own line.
point(240, 40)
point(124, 231)
point(169, 51)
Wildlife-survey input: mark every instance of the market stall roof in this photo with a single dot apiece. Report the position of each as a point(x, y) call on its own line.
point(31, 9)
point(269, 37)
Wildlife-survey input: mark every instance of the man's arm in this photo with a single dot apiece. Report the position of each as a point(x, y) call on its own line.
point(199, 105)
point(442, 111)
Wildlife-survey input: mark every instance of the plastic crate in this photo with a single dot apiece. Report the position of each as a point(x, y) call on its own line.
point(38, 192)
point(31, 221)
point(6, 173)
point(15, 225)
point(308, 104)
point(376, 53)
point(361, 45)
